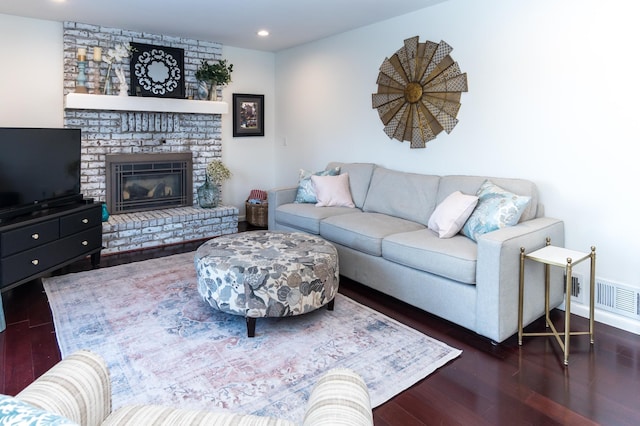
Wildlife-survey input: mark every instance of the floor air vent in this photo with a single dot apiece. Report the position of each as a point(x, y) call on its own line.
point(618, 298)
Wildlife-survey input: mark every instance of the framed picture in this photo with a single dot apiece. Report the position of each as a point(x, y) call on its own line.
point(157, 71)
point(248, 115)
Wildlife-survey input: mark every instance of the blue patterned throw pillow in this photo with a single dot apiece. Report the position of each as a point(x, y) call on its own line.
point(16, 412)
point(496, 209)
point(306, 193)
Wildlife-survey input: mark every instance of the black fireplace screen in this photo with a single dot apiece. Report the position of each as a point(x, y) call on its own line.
point(139, 182)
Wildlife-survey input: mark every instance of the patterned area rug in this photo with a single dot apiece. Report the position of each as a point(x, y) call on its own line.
point(164, 345)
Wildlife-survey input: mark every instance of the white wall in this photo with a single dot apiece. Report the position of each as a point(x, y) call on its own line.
point(31, 72)
point(552, 97)
point(250, 159)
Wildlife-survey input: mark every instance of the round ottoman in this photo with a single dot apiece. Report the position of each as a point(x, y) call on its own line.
point(260, 274)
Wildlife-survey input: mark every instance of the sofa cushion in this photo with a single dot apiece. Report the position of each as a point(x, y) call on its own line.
point(496, 209)
point(452, 213)
point(306, 192)
point(408, 196)
point(16, 412)
point(364, 231)
point(332, 191)
point(471, 184)
point(307, 217)
point(454, 258)
point(359, 179)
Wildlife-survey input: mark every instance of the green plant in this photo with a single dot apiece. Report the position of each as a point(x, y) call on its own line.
point(217, 72)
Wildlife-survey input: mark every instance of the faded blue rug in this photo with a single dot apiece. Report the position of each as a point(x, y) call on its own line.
point(165, 345)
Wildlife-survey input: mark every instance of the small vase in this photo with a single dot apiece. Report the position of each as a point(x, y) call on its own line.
point(208, 194)
point(105, 212)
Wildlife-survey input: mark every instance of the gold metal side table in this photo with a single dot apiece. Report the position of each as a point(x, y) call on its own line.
point(558, 256)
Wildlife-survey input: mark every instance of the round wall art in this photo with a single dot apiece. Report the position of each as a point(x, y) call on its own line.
point(419, 91)
point(157, 71)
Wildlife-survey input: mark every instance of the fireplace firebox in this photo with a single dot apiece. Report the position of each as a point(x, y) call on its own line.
point(140, 182)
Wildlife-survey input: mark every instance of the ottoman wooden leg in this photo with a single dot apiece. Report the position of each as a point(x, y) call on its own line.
point(251, 327)
point(331, 304)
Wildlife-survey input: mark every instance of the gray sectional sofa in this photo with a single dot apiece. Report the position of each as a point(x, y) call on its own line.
point(384, 243)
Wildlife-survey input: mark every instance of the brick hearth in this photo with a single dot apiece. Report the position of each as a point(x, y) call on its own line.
point(132, 231)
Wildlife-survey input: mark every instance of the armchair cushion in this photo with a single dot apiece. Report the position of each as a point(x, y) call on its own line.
point(16, 412)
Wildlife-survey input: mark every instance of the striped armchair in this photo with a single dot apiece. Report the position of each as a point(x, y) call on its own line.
point(78, 388)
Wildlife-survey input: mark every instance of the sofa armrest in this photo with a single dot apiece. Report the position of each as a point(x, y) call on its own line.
point(498, 273)
point(77, 388)
point(277, 197)
point(339, 398)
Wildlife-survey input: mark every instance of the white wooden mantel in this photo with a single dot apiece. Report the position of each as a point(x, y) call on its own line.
point(147, 104)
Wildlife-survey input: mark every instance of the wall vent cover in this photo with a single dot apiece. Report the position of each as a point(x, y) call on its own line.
point(618, 298)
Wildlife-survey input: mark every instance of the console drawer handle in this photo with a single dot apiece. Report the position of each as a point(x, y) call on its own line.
point(35, 236)
point(85, 220)
point(85, 243)
point(35, 262)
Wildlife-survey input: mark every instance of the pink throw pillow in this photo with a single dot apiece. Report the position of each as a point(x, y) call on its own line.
point(332, 191)
point(451, 214)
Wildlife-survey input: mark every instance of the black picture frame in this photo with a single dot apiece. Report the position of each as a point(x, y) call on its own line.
point(248, 115)
point(157, 71)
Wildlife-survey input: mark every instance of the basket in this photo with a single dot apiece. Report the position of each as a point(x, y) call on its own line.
point(257, 214)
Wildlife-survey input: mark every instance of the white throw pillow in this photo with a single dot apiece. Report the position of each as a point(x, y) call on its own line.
point(332, 191)
point(450, 215)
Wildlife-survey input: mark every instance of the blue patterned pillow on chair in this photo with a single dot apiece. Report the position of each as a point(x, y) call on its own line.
point(496, 209)
point(16, 412)
point(306, 193)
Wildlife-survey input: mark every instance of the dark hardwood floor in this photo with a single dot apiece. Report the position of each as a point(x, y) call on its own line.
point(487, 385)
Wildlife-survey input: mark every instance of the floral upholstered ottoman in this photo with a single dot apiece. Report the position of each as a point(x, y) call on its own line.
point(261, 274)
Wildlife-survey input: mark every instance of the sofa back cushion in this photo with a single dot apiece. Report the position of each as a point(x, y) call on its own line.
point(405, 195)
point(359, 179)
point(471, 184)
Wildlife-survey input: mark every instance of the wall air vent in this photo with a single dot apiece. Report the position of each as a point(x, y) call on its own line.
point(618, 298)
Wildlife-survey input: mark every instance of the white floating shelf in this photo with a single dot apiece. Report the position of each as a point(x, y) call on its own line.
point(138, 103)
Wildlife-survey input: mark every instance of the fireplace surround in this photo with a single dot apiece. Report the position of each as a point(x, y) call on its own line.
point(140, 182)
point(114, 125)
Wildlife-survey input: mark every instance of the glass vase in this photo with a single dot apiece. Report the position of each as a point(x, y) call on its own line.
point(208, 194)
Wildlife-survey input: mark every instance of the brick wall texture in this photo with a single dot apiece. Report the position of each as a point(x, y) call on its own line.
point(119, 132)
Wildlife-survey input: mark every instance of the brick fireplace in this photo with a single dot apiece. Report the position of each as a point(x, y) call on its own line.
point(134, 132)
point(140, 182)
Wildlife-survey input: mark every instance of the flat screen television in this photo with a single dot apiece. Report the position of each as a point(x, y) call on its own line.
point(39, 168)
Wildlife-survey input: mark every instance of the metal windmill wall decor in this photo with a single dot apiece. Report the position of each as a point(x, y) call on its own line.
point(419, 90)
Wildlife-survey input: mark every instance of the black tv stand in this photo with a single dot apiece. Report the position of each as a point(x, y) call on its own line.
point(48, 239)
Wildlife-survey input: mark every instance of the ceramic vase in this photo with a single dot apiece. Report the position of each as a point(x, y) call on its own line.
point(213, 91)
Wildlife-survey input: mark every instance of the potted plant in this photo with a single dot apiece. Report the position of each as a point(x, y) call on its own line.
point(214, 74)
point(209, 193)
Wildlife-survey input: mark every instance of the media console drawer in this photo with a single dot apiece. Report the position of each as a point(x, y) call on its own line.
point(28, 237)
point(80, 221)
point(35, 246)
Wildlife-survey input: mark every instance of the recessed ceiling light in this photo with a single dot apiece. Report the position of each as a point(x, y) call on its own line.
point(263, 33)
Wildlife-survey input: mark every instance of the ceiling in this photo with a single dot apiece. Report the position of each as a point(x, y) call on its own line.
point(232, 23)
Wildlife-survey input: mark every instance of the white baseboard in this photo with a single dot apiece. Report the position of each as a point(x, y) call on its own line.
point(608, 318)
